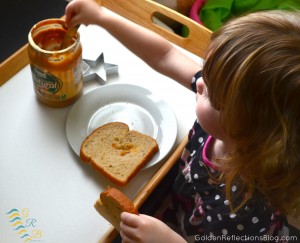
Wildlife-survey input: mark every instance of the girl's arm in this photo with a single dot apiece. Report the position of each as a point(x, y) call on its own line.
point(156, 51)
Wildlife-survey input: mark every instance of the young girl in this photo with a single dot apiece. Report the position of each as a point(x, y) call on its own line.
point(238, 176)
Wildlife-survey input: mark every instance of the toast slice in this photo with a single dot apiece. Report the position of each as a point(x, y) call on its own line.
point(111, 204)
point(117, 152)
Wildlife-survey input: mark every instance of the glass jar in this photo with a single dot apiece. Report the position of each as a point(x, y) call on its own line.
point(56, 72)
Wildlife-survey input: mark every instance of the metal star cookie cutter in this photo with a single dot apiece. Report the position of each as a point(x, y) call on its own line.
point(97, 69)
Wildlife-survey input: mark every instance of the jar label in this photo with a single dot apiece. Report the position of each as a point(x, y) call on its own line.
point(45, 82)
point(78, 73)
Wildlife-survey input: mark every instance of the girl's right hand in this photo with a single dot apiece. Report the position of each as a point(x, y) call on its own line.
point(82, 12)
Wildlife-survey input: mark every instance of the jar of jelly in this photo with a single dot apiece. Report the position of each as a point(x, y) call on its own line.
point(56, 70)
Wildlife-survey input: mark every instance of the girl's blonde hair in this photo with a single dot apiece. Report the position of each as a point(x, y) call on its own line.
point(252, 72)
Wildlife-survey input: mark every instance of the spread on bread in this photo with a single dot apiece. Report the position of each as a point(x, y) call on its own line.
point(117, 152)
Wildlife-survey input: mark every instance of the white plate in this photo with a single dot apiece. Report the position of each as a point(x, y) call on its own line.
point(138, 107)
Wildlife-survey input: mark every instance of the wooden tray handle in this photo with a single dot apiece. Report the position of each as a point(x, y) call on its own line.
point(142, 11)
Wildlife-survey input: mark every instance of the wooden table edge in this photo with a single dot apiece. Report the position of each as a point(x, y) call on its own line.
point(13, 64)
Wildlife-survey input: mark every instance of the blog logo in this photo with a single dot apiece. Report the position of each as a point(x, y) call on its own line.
point(24, 225)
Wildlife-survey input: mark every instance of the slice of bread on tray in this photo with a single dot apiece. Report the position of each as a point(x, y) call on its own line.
point(117, 152)
point(112, 203)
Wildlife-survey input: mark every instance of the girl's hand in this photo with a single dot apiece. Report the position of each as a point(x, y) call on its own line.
point(143, 228)
point(82, 12)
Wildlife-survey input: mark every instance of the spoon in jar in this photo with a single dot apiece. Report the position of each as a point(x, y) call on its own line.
point(68, 37)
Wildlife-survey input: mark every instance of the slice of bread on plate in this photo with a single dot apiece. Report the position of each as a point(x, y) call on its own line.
point(112, 203)
point(117, 152)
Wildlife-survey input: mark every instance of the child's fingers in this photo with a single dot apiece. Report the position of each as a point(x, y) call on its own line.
point(127, 232)
point(129, 219)
point(129, 227)
point(125, 237)
point(71, 11)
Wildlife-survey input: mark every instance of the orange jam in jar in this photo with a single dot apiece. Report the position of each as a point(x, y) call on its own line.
point(56, 73)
